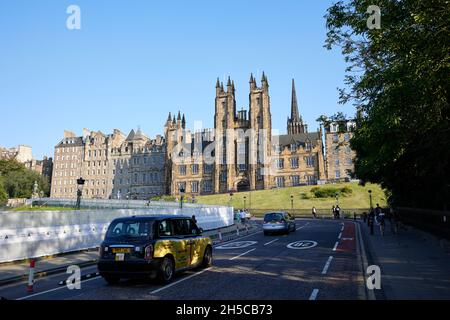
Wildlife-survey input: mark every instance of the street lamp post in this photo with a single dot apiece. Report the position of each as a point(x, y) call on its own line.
point(182, 192)
point(245, 200)
point(370, 197)
point(231, 199)
point(80, 184)
point(292, 203)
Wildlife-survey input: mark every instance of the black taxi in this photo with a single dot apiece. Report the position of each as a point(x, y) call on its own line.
point(152, 247)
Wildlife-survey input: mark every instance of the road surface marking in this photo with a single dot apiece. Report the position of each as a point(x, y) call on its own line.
point(220, 244)
point(340, 235)
point(335, 246)
point(55, 289)
point(302, 244)
point(179, 281)
point(266, 244)
point(314, 294)
point(342, 229)
point(303, 226)
point(327, 265)
point(236, 245)
point(242, 254)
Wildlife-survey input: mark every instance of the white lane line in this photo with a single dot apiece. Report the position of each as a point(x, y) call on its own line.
point(314, 294)
point(340, 235)
point(242, 254)
point(179, 281)
point(327, 265)
point(303, 226)
point(266, 244)
point(342, 229)
point(51, 290)
point(335, 246)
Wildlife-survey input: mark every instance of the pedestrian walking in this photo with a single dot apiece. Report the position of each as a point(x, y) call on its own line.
point(338, 212)
point(314, 212)
point(382, 222)
point(194, 219)
point(333, 210)
point(243, 217)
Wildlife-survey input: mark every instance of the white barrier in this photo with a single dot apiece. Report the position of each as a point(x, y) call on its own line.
point(26, 235)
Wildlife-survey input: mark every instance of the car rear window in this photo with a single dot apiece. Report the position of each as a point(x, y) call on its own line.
point(273, 217)
point(131, 229)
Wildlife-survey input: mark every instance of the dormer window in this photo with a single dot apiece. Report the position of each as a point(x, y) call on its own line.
point(308, 146)
point(293, 147)
point(334, 127)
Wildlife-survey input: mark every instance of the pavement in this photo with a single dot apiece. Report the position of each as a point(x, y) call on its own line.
point(322, 260)
point(414, 264)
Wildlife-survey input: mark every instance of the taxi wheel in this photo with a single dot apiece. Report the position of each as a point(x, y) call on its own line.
point(207, 257)
point(166, 270)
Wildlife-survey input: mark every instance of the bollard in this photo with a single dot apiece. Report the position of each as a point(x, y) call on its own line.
point(31, 276)
point(246, 228)
point(237, 231)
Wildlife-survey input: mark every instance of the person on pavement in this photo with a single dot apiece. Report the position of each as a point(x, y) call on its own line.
point(314, 212)
point(333, 210)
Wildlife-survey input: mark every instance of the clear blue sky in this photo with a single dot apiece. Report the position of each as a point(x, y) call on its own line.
point(134, 61)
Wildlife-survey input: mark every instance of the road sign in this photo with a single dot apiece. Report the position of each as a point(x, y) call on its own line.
point(236, 245)
point(302, 245)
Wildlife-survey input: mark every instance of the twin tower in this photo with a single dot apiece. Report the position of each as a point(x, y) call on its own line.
point(236, 166)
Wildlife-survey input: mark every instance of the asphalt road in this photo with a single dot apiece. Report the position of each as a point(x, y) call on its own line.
point(266, 269)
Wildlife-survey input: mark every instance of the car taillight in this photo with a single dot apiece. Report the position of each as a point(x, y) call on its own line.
point(148, 255)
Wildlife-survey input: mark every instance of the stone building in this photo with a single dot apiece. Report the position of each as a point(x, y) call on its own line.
point(109, 165)
point(24, 155)
point(241, 154)
point(21, 153)
point(43, 167)
point(339, 155)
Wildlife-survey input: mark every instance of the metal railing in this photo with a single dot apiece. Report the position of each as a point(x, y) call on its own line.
point(433, 221)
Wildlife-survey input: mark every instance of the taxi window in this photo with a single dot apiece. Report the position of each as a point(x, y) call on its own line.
point(192, 228)
point(180, 227)
point(130, 229)
point(165, 228)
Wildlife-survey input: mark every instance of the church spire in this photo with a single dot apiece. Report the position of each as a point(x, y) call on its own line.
point(295, 116)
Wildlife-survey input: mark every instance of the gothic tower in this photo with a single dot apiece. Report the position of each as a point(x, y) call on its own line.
point(224, 119)
point(261, 123)
point(295, 122)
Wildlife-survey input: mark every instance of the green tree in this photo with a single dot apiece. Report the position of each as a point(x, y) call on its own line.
point(18, 181)
point(3, 194)
point(399, 79)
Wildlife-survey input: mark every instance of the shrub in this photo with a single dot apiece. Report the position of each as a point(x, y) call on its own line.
point(346, 190)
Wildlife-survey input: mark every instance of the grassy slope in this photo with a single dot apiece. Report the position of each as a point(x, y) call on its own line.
point(281, 198)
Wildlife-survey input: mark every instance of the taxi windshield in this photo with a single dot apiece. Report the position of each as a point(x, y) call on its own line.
point(130, 230)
